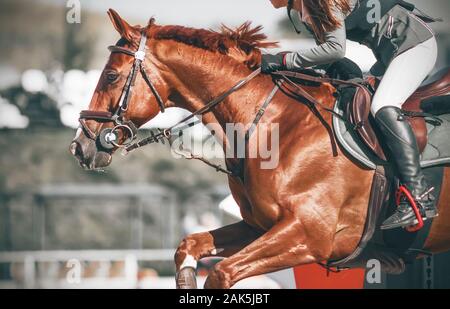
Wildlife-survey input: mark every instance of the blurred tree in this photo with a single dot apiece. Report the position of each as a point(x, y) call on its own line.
point(41, 109)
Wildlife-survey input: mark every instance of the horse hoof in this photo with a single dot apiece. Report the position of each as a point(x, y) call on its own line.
point(186, 278)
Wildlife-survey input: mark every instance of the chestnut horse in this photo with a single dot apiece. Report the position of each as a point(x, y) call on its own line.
point(310, 208)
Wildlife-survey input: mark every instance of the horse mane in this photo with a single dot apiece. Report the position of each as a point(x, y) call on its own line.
point(247, 39)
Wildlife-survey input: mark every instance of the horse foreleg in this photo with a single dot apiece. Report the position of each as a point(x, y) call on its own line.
point(222, 242)
point(286, 244)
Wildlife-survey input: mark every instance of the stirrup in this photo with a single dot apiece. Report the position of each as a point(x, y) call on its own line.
point(403, 191)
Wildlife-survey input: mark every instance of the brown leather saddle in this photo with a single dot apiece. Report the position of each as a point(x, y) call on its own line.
point(359, 112)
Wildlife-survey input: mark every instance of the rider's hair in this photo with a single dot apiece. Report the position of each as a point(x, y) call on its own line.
point(323, 16)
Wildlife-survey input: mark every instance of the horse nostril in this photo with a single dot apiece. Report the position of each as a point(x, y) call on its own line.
point(73, 148)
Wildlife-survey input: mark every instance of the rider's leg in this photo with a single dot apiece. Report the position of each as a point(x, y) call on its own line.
point(401, 141)
point(403, 76)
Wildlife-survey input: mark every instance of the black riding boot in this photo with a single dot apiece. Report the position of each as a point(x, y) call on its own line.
point(402, 143)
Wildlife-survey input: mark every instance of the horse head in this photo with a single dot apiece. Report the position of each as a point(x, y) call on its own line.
point(129, 93)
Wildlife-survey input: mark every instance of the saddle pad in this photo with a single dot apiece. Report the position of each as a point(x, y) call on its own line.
point(436, 152)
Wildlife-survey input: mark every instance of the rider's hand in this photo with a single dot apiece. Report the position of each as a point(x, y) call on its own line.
point(271, 63)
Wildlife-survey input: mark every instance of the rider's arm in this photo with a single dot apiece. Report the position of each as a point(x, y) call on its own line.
point(331, 50)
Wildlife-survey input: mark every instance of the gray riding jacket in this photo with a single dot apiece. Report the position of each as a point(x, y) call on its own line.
point(397, 31)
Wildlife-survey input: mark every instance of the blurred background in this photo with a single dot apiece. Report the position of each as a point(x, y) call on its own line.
point(119, 228)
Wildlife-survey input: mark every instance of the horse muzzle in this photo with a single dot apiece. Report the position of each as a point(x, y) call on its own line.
point(88, 155)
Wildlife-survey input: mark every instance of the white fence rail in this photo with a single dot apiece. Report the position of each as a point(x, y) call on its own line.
point(25, 266)
point(57, 269)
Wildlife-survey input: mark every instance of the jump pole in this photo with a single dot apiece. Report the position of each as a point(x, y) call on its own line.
point(314, 276)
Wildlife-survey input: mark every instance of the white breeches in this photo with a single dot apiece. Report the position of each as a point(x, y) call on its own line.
point(405, 74)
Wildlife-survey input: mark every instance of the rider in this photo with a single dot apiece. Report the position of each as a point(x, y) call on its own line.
point(406, 50)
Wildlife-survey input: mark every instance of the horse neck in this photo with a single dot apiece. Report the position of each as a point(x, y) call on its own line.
point(203, 75)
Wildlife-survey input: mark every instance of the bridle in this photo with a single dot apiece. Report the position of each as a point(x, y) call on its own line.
point(108, 137)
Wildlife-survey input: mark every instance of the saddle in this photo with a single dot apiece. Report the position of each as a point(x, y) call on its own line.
point(417, 106)
point(428, 111)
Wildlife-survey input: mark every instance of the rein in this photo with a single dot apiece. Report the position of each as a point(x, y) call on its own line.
point(287, 75)
point(284, 76)
point(167, 133)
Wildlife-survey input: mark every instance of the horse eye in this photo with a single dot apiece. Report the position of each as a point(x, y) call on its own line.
point(112, 76)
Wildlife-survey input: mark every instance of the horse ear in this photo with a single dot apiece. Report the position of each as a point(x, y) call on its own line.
point(124, 29)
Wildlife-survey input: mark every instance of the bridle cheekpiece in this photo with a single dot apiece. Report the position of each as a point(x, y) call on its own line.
point(108, 137)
